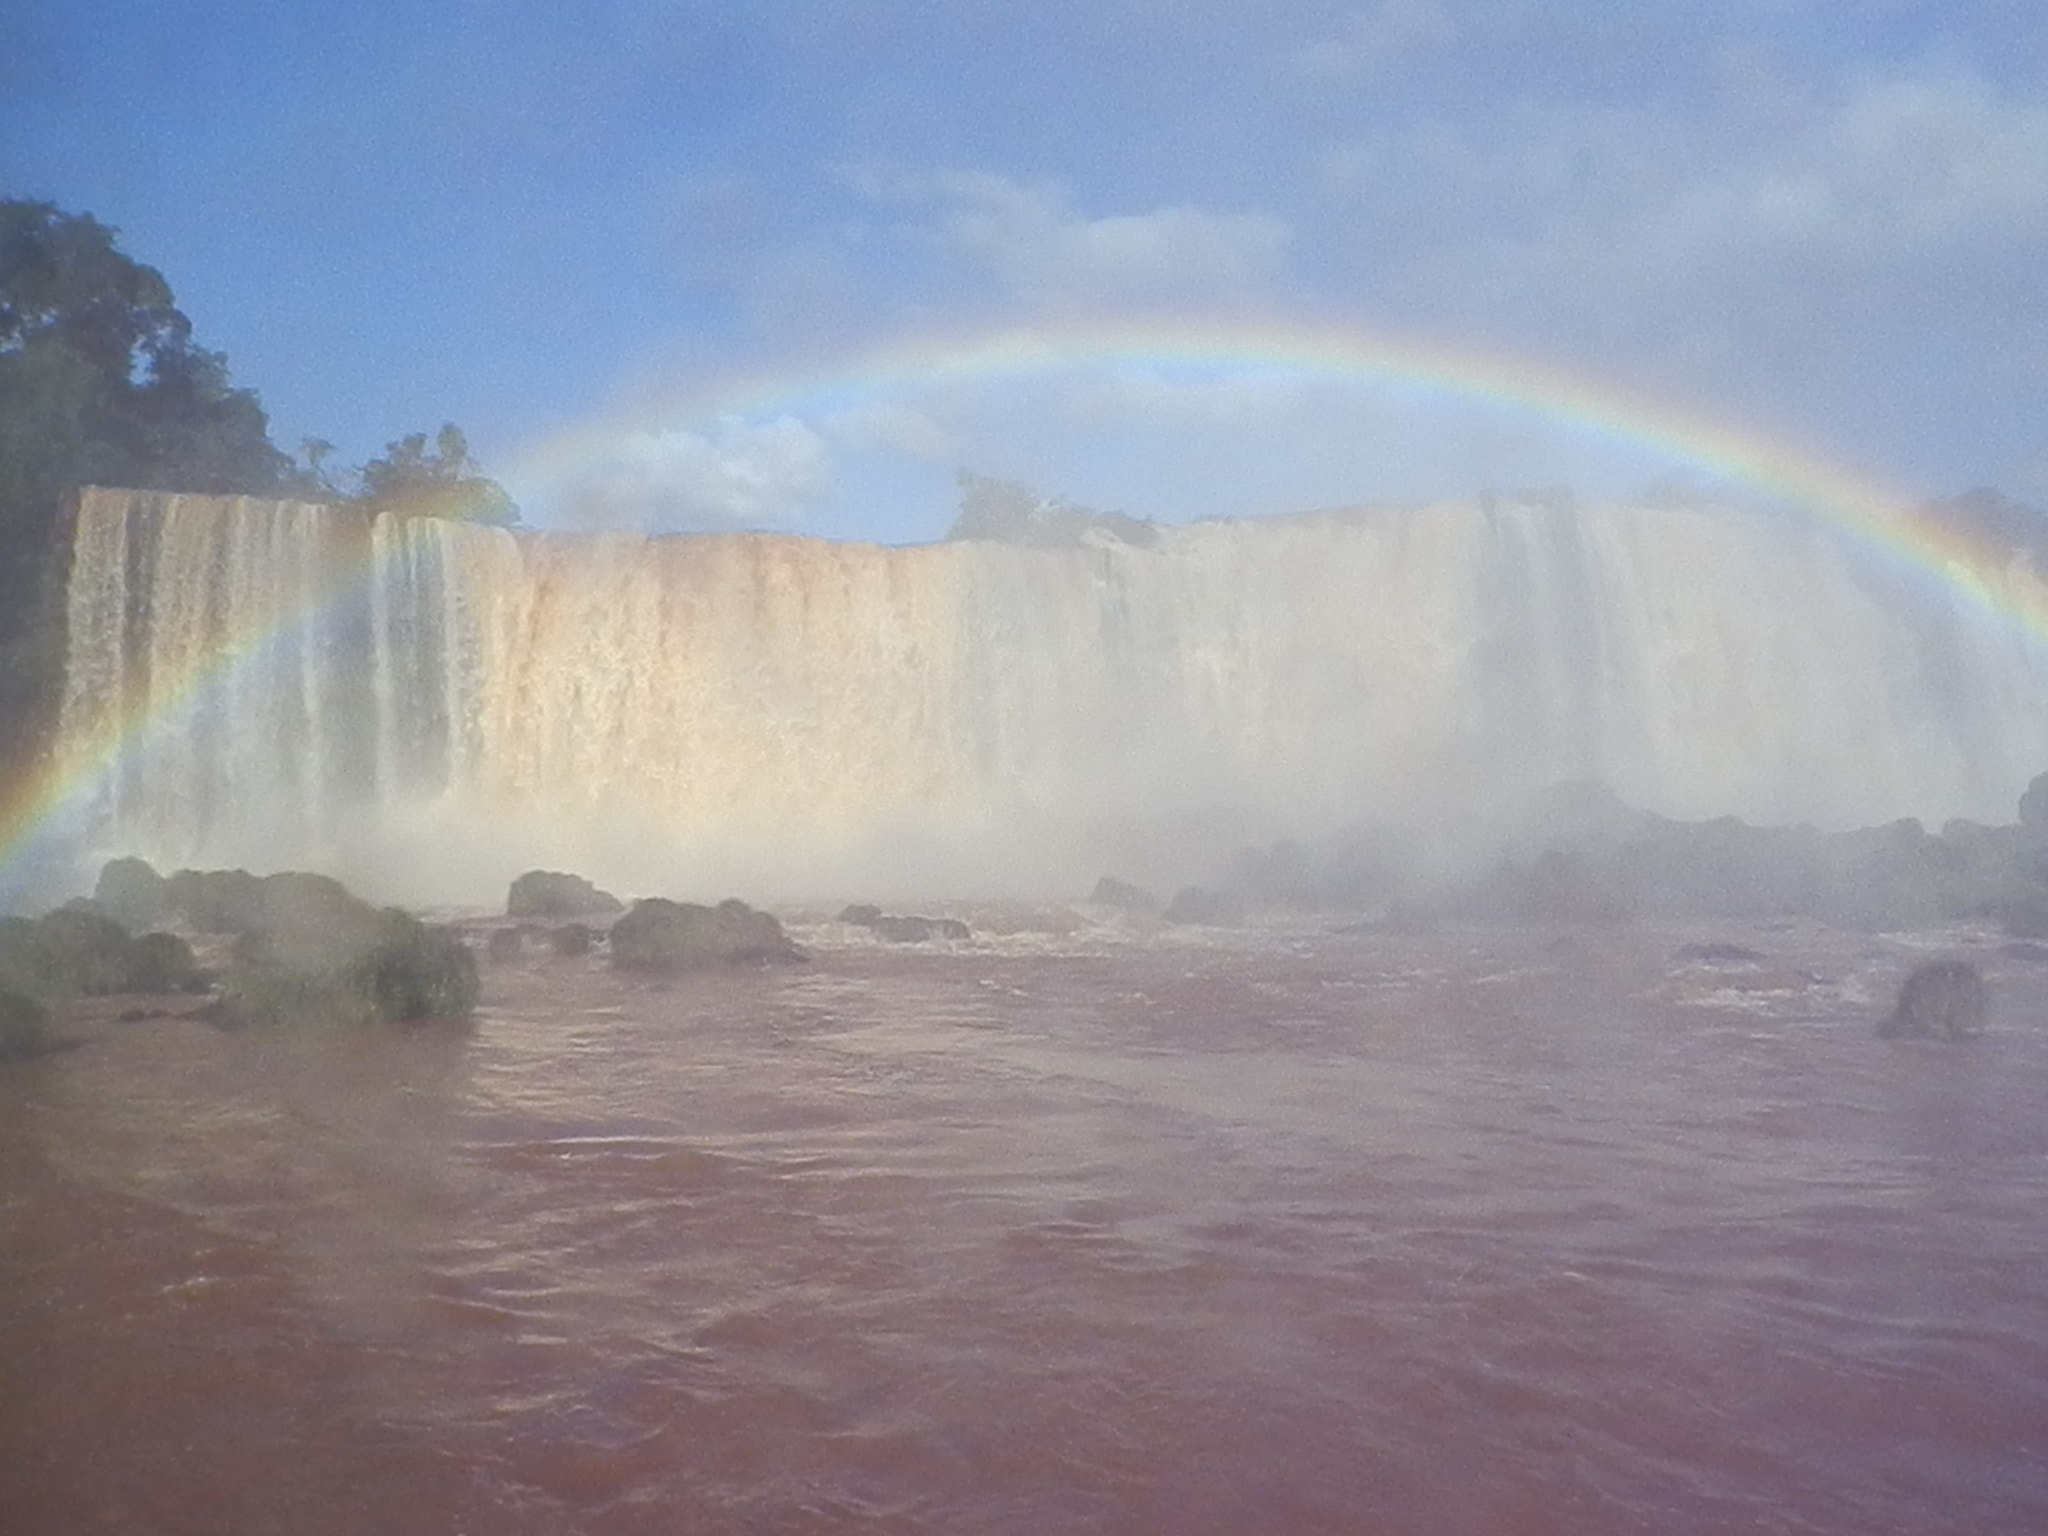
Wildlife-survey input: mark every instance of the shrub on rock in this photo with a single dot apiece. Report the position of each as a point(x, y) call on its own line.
point(665, 937)
point(163, 962)
point(24, 1026)
point(550, 893)
point(321, 956)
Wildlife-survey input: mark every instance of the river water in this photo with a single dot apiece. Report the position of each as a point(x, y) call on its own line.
point(1281, 1230)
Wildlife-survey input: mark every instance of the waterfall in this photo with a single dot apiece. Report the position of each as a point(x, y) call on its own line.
point(427, 707)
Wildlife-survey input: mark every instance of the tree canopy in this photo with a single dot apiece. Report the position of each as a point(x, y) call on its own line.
point(441, 482)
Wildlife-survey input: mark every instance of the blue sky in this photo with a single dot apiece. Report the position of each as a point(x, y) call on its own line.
point(592, 224)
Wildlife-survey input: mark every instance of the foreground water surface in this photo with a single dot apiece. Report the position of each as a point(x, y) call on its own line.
point(1275, 1231)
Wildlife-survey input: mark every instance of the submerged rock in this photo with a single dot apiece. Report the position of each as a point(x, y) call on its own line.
point(665, 937)
point(1940, 1000)
point(550, 893)
point(905, 930)
point(1112, 892)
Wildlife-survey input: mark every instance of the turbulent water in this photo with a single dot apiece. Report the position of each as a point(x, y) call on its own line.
point(438, 706)
point(1279, 1231)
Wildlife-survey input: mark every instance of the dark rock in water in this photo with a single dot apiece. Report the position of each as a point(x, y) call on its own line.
point(504, 944)
point(665, 937)
point(1112, 892)
point(24, 1026)
point(320, 956)
point(571, 939)
point(1717, 953)
point(861, 915)
point(920, 930)
point(1940, 1000)
point(549, 893)
point(1211, 909)
point(133, 894)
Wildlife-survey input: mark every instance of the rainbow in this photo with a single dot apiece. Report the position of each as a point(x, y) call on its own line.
point(1869, 512)
point(1859, 506)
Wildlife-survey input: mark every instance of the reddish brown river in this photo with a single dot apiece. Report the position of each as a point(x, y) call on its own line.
point(1277, 1232)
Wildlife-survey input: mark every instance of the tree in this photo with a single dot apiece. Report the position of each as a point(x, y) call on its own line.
point(100, 383)
point(442, 483)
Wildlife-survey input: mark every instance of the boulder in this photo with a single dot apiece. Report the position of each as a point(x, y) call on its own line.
point(1112, 892)
point(505, 943)
point(550, 893)
point(665, 937)
point(1940, 1000)
point(571, 939)
point(861, 915)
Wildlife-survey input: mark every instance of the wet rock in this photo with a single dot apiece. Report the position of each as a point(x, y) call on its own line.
point(1940, 1000)
point(919, 930)
point(571, 939)
point(1112, 892)
point(550, 893)
point(666, 937)
point(504, 944)
point(861, 915)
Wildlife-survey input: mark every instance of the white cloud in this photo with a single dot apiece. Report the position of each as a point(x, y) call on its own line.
point(740, 475)
point(1030, 239)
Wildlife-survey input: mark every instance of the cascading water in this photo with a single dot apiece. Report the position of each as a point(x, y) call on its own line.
point(426, 707)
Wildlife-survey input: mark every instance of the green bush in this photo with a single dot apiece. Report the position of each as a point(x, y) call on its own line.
point(24, 1026)
point(345, 962)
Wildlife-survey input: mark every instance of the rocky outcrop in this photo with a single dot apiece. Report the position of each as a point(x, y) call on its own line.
point(1940, 1000)
point(664, 938)
point(549, 893)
